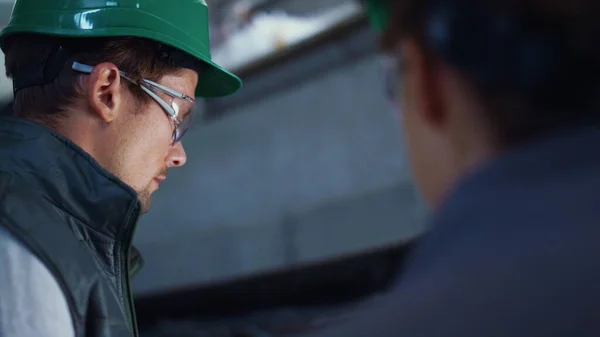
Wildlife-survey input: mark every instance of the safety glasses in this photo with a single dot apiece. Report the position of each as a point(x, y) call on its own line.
point(392, 68)
point(181, 124)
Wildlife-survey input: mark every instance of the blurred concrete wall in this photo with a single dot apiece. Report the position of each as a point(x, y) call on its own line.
point(311, 173)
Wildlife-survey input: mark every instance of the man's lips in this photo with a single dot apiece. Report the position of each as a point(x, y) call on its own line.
point(160, 179)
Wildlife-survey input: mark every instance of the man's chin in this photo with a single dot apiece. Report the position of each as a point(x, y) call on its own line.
point(145, 208)
point(144, 198)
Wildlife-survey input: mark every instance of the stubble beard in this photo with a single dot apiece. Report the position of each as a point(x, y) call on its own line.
point(144, 198)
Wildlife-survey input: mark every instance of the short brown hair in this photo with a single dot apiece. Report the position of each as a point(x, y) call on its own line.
point(514, 115)
point(136, 56)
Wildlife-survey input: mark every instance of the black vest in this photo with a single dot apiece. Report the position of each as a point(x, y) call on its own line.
point(77, 218)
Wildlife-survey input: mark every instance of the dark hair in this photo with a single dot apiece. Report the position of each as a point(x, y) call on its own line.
point(47, 102)
point(535, 63)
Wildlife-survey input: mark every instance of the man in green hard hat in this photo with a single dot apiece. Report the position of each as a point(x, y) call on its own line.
point(500, 109)
point(104, 91)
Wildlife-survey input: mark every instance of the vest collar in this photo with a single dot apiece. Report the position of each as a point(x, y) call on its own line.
point(73, 181)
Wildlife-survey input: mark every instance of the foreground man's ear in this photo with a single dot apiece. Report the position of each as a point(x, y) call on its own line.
point(104, 91)
point(425, 75)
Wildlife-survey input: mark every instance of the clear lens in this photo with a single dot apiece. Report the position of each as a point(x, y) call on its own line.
point(389, 68)
point(184, 124)
point(179, 105)
point(391, 85)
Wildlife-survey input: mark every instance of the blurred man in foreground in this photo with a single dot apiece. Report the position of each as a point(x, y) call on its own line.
point(103, 94)
point(499, 103)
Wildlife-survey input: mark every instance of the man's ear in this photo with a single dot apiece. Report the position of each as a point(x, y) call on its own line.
point(104, 91)
point(425, 77)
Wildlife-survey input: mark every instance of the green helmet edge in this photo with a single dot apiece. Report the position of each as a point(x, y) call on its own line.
point(378, 12)
point(213, 82)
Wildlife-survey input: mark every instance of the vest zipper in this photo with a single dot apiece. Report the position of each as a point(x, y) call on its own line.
point(125, 254)
point(130, 301)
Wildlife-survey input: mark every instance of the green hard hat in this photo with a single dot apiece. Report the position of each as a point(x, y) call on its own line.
point(181, 24)
point(378, 12)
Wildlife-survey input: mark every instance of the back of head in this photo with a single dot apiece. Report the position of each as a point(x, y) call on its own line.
point(478, 78)
point(534, 63)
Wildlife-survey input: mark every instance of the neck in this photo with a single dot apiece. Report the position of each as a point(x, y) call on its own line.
point(478, 154)
point(85, 133)
point(469, 151)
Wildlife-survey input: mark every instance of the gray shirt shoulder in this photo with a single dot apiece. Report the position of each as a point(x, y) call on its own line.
point(31, 301)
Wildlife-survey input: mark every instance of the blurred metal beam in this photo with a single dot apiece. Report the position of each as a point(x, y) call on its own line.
point(295, 7)
point(339, 46)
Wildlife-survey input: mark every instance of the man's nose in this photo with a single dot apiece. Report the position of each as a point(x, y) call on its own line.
point(176, 156)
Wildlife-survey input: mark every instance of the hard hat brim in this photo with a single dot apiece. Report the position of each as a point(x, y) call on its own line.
point(108, 22)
